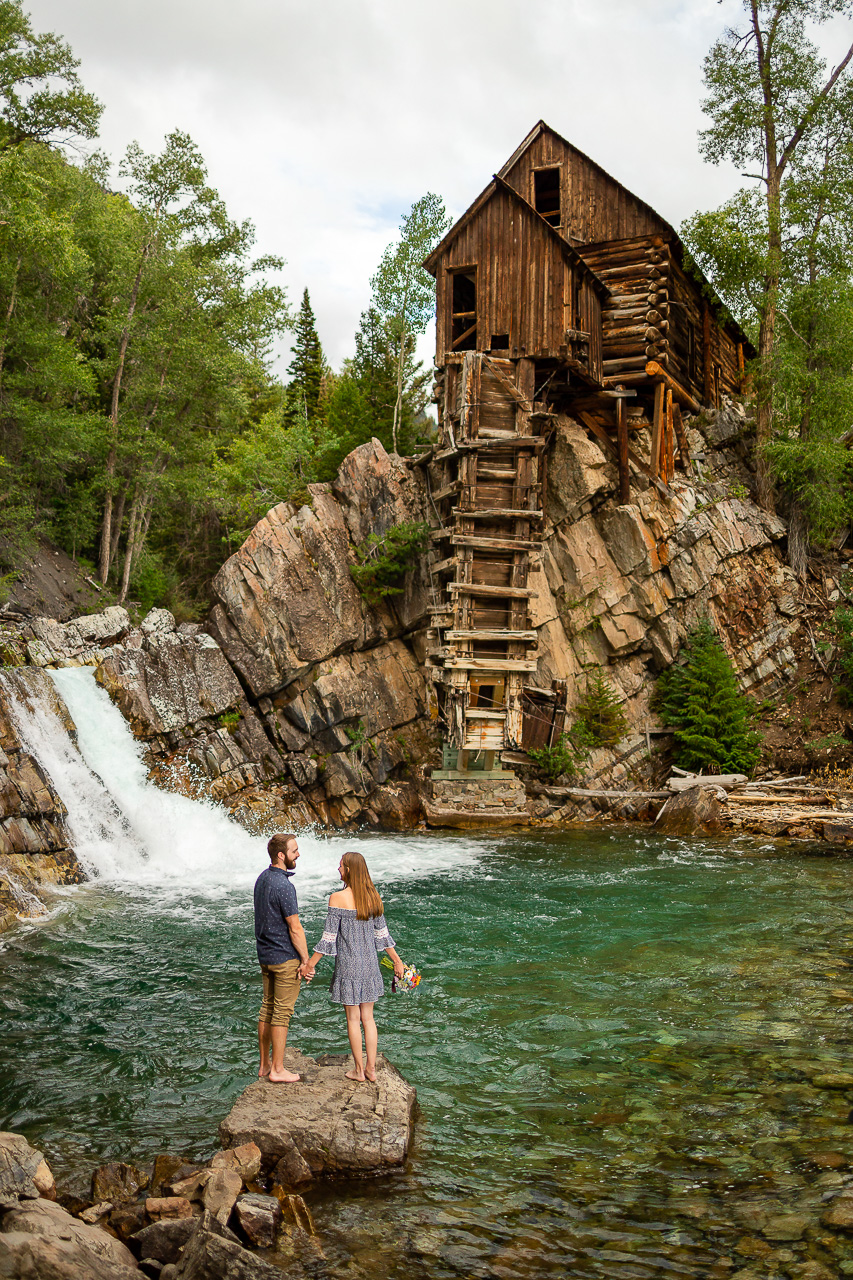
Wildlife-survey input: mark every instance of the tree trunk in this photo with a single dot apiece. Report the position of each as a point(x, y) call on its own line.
point(9, 310)
point(107, 525)
point(118, 519)
point(130, 547)
point(401, 362)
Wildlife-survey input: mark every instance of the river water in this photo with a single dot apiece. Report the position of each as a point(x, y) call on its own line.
point(617, 1045)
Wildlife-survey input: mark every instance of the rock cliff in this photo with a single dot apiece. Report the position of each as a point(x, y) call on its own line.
point(297, 702)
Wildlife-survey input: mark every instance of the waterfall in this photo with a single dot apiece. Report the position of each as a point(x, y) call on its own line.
point(128, 832)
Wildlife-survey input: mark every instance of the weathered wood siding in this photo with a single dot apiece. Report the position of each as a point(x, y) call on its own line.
point(527, 287)
point(594, 206)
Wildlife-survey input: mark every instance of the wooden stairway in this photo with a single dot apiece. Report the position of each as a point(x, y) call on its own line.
point(486, 480)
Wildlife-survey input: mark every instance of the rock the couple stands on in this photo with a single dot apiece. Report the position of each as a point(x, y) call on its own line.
point(354, 933)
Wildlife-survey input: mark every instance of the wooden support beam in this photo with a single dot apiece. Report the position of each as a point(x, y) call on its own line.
point(622, 444)
point(601, 434)
point(508, 385)
point(505, 442)
point(658, 374)
point(669, 439)
point(448, 491)
point(501, 513)
point(658, 426)
point(681, 437)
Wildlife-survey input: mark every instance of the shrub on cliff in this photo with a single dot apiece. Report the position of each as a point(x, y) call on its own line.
point(699, 697)
point(385, 559)
point(600, 713)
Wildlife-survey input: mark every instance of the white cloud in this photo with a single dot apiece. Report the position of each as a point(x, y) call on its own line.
point(324, 121)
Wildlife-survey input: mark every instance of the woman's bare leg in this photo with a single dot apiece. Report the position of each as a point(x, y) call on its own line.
point(354, 1036)
point(371, 1039)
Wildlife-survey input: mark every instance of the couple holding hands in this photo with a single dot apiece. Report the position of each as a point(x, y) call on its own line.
point(354, 933)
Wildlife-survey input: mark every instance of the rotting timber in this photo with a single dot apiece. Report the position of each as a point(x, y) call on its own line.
point(557, 292)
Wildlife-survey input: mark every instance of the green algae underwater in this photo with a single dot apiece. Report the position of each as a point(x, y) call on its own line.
point(618, 1047)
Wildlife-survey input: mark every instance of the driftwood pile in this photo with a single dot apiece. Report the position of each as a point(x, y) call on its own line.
point(792, 807)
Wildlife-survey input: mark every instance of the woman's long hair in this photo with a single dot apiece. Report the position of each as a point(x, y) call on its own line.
point(356, 877)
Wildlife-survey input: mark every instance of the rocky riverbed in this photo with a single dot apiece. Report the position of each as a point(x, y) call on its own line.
point(238, 1216)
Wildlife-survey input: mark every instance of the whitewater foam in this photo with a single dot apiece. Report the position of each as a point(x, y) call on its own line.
point(127, 832)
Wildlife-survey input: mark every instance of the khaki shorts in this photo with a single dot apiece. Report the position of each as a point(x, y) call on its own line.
point(281, 987)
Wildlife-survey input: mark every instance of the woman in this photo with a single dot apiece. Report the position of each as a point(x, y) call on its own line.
point(354, 932)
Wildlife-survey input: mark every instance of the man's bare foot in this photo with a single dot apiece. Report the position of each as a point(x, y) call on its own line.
point(282, 1077)
point(354, 1075)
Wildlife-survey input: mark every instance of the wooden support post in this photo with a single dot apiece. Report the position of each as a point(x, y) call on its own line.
point(658, 427)
point(622, 442)
point(681, 436)
point(669, 448)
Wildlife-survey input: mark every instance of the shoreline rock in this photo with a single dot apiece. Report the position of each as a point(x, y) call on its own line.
point(326, 1124)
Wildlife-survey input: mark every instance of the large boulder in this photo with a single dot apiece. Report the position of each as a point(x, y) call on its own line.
point(693, 812)
point(24, 1172)
point(326, 1124)
point(213, 1253)
point(38, 1238)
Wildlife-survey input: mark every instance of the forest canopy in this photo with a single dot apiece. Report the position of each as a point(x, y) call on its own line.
point(142, 426)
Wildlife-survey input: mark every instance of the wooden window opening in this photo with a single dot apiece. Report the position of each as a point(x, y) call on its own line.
point(463, 309)
point(546, 194)
point(500, 342)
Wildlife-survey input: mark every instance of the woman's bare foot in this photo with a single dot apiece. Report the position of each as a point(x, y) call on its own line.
point(354, 1075)
point(262, 1074)
point(282, 1077)
point(370, 1075)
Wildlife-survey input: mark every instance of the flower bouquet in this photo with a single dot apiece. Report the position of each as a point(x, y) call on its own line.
point(411, 976)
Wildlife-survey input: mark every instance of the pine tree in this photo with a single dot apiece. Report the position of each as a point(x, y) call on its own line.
point(307, 367)
point(712, 719)
point(600, 712)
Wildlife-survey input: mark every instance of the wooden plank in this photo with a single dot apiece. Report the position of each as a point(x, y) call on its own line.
point(503, 513)
point(482, 589)
point(508, 442)
point(493, 544)
point(499, 633)
point(622, 444)
point(657, 373)
point(508, 386)
point(490, 664)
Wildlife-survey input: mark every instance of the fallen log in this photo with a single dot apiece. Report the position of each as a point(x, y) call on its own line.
point(724, 780)
point(585, 793)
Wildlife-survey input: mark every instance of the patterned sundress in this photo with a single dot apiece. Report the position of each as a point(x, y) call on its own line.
point(355, 944)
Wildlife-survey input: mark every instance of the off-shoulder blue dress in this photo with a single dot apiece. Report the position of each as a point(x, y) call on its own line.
point(355, 944)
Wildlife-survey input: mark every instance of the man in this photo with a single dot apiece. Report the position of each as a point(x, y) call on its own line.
point(282, 954)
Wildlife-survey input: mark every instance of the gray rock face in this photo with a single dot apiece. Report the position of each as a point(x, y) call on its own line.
point(334, 1124)
point(34, 842)
point(164, 1240)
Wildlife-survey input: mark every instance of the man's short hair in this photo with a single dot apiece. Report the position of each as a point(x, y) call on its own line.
point(278, 844)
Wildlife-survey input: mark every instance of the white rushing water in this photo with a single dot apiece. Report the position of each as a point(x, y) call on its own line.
point(128, 832)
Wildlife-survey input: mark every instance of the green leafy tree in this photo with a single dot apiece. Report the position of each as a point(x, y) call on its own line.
point(41, 97)
point(771, 100)
point(699, 697)
point(361, 401)
point(403, 292)
point(383, 560)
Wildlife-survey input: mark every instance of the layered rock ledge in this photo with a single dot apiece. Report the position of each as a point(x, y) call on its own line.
point(325, 1124)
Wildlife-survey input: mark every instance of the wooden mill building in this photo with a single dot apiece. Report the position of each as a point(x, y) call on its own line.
point(558, 290)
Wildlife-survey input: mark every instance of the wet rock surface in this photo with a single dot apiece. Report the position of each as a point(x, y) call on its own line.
point(325, 1123)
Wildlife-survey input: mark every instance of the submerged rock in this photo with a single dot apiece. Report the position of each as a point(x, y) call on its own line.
point(325, 1124)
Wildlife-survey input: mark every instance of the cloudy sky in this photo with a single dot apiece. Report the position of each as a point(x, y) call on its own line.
point(323, 120)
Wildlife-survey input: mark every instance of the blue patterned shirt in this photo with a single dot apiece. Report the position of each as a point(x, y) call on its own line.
point(275, 899)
